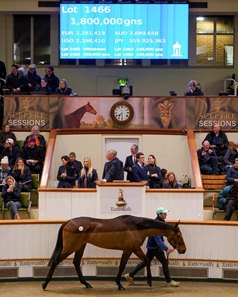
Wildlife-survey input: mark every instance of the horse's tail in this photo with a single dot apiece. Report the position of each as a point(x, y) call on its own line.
point(58, 248)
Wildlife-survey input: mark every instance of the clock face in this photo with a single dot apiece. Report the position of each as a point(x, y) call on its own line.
point(122, 112)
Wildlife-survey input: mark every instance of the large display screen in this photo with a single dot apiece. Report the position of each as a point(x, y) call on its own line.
point(124, 31)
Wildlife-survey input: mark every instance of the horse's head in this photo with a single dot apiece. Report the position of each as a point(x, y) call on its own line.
point(175, 238)
point(90, 109)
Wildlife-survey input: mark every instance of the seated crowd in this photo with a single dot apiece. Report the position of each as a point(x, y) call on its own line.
point(215, 156)
point(228, 197)
point(19, 80)
point(18, 164)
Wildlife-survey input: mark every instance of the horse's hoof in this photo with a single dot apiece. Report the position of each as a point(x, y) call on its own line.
point(149, 283)
point(44, 285)
point(121, 288)
point(88, 286)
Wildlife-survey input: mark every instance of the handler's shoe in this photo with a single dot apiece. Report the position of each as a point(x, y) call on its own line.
point(173, 284)
point(129, 279)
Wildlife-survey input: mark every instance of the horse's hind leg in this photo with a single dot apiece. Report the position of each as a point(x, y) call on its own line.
point(124, 259)
point(52, 269)
point(77, 260)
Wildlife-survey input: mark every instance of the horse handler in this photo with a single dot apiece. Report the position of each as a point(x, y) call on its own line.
point(156, 248)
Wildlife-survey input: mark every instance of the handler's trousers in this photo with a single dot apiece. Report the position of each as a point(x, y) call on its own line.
point(160, 256)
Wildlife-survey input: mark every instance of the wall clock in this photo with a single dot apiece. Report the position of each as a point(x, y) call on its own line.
point(122, 113)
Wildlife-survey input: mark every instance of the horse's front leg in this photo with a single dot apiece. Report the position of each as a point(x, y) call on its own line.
point(77, 260)
point(124, 259)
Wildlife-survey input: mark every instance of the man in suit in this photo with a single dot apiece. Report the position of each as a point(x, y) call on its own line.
point(139, 169)
point(113, 168)
point(130, 162)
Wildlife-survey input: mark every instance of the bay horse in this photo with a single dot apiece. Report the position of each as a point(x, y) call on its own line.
point(73, 119)
point(126, 233)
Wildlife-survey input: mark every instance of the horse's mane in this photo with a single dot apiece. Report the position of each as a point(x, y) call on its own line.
point(147, 223)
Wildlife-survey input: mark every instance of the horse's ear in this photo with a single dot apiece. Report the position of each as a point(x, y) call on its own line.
point(176, 225)
point(88, 103)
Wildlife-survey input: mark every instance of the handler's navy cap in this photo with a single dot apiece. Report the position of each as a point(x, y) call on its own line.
point(161, 210)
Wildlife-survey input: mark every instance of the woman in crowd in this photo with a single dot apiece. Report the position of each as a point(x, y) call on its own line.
point(63, 88)
point(88, 175)
point(170, 182)
point(66, 174)
point(153, 173)
point(6, 133)
point(22, 175)
point(11, 194)
point(39, 138)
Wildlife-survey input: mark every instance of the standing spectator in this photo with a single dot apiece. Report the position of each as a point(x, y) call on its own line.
point(218, 140)
point(15, 81)
point(32, 78)
point(11, 151)
point(63, 88)
point(33, 156)
point(7, 133)
point(11, 194)
point(232, 174)
point(228, 200)
point(75, 164)
point(43, 87)
point(171, 181)
point(22, 175)
point(66, 174)
point(51, 78)
point(130, 162)
point(39, 139)
point(88, 175)
point(3, 71)
point(5, 170)
point(139, 169)
point(113, 168)
point(153, 173)
point(208, 159)
point(157, 248)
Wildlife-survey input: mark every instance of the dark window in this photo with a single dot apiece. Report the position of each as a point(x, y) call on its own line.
point(31, 39)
